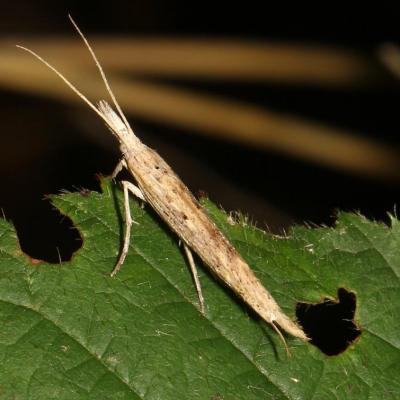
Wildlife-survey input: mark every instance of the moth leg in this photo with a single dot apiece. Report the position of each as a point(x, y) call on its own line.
point(135, 190)
point(120, 166)
point(276, 329)
point(127, 187)
point(195, 277)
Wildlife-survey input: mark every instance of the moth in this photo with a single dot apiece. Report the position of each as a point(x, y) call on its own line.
point(159, 186)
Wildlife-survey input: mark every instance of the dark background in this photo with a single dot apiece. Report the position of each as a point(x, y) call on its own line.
point(42, 150)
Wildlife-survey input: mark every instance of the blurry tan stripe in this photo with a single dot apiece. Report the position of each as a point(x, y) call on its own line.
point(217, 59)
point(212, 116)
point(389, 53)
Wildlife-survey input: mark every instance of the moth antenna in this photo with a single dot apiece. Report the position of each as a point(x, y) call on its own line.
point(67, 82)
point(103, 75)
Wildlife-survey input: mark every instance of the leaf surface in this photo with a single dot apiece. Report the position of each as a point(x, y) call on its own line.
point(70, 331)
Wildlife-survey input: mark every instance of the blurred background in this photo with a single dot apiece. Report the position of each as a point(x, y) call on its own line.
point(286, 112)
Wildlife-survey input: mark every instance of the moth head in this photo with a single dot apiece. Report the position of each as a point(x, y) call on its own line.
point(113, 120)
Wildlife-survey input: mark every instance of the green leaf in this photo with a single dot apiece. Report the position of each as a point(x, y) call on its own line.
point(70, 331)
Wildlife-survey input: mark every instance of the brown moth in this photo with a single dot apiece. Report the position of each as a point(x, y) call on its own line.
point(158, 185)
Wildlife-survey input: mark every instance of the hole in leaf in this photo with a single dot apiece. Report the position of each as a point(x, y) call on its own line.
point(46, 236)
point(330, 324)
